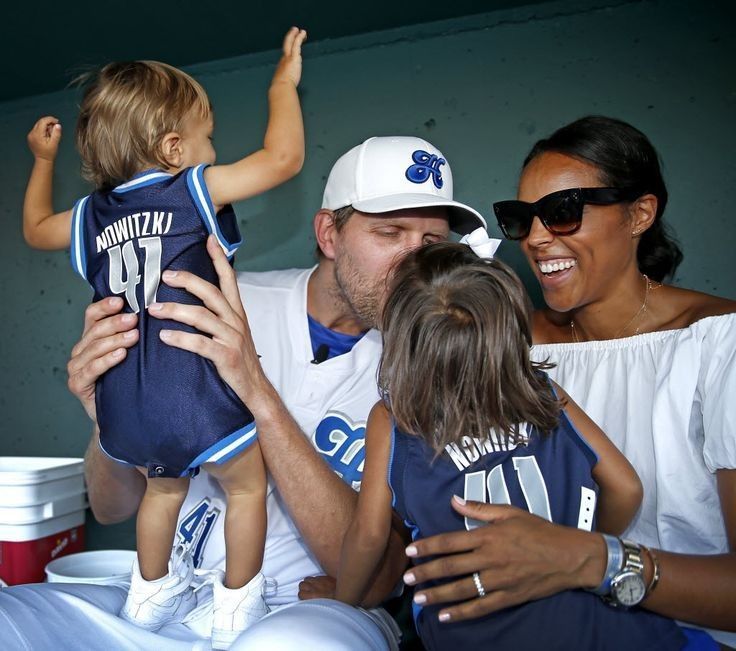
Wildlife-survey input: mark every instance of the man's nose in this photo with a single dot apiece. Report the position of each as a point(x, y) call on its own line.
point(413, 240)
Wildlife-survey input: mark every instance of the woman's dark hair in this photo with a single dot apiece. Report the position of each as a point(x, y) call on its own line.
point(627, 160)
point(456, 336)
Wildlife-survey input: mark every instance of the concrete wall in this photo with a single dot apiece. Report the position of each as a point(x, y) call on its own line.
point(481, 88)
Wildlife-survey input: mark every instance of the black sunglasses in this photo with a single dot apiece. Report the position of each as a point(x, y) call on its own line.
point(561, 212)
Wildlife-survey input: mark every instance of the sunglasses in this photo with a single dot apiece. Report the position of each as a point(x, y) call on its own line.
point(561, 212)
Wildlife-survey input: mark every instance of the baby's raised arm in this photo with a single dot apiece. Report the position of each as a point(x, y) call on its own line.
point(42, 228)
point(282, 155)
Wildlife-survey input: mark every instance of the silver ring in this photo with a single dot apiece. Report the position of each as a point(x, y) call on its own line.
point(478, 585)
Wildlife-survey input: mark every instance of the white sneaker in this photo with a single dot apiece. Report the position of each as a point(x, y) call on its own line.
point(151, 604)
point(235, 610)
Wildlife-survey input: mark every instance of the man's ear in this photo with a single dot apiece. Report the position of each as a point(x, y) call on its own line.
point(325, 232)
point(643, 213)
point(171, 151)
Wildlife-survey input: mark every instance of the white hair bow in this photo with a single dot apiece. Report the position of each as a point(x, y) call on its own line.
point(482, 245)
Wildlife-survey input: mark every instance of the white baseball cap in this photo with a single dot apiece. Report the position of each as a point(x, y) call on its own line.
point(393, 173)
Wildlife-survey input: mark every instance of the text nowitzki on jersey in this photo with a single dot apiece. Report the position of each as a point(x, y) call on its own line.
point(130, 227)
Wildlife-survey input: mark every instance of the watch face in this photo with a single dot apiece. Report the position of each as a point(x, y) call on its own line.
point(629, 588)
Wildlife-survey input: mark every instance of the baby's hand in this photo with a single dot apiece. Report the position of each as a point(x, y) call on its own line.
point(290, 66)
point(43, 139)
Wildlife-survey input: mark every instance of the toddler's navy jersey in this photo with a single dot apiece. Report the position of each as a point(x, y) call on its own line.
point(551, 477)
point(162, 408)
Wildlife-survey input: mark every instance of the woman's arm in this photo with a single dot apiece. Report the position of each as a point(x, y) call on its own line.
point(701, 589)
point(367, 536)
point(282, 155)
point(42, 228)
point(621, 491)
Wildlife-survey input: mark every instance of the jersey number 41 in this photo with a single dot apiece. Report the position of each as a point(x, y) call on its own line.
point(127, 280)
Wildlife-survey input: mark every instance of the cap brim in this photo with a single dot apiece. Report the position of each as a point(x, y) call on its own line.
point(462, 219)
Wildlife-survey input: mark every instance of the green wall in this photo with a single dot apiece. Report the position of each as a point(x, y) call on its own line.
point(481, 88)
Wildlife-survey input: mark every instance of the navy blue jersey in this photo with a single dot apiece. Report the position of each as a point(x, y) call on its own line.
point(550, 476)
point(162, 408)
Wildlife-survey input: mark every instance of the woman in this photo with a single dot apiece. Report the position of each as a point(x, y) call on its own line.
point(652, 364)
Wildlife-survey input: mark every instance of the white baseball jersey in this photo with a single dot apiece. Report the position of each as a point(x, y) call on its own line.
point(330, 402)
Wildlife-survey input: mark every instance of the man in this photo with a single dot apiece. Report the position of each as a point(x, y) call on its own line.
point(310, 393)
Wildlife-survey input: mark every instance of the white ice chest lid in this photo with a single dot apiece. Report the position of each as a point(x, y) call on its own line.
point(32, 480)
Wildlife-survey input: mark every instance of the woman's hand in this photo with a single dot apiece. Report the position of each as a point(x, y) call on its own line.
point(518, 557)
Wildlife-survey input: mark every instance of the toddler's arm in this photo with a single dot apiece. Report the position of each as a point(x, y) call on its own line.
point(42, 229)
point(366, 539)
point(282, 155)
point(621, 491)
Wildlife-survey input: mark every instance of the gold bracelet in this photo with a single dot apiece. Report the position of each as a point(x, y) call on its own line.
point(655, 571)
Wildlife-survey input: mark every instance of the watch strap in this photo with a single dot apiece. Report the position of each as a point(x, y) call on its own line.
point(615, 562)
point(633, 557)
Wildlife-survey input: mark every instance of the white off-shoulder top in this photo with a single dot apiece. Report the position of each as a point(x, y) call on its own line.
point(668, 401)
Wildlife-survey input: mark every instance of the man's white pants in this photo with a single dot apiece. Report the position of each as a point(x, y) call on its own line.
point(61, 616)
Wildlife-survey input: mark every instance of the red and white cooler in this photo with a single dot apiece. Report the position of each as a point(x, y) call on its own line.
point(42, 510)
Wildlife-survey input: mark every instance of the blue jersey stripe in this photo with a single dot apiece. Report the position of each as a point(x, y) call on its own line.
point(227, 447)
point(201, 196)
point(78, 253)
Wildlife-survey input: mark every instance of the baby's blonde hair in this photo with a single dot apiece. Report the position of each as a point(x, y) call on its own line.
point(126, 110)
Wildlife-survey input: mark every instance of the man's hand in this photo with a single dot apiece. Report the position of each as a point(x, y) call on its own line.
point(106, 337)
point(317, 587)
point(230, 345)
point(44, 138)
point(290, 66)
point(518, 556)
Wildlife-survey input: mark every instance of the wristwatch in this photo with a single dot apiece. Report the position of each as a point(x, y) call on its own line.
point(627, 585)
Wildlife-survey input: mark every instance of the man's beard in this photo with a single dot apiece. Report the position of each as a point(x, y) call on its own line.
point(356, 292)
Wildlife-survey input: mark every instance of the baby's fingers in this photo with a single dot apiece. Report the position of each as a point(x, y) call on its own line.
point(293, 42)
point(296, 48)
point(289, 39)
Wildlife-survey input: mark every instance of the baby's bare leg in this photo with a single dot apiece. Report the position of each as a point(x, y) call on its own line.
point(243, 478)
point(156, 524)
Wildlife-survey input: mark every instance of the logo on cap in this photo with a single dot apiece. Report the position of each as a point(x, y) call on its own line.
point(425, 165)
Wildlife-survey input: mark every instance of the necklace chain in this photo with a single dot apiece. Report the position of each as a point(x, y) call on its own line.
point(639, 315)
